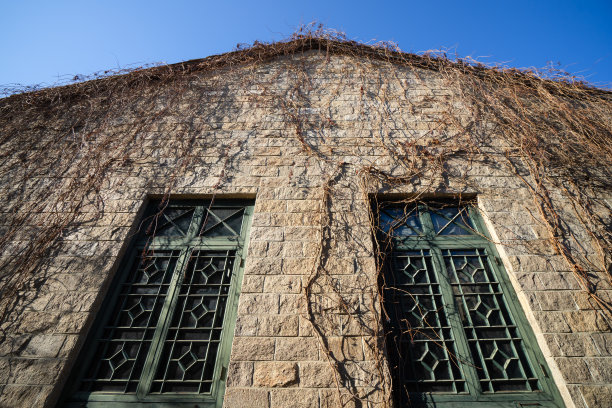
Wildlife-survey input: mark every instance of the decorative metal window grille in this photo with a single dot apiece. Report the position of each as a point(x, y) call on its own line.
point(455, 333)
point(165, 332)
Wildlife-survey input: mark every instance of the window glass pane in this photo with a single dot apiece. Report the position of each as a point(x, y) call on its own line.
point(400, 222)
point(173, 221)
point(190, 349)
point(222, 222)
point(451, 221)
point(163, 335)
point(492, 334)
point(126, 337)
point(449, 323)
point(422, 344)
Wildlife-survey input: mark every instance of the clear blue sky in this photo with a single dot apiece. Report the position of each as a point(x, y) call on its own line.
point(43, 41)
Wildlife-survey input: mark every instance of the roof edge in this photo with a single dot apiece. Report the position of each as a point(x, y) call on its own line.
point(265, 52)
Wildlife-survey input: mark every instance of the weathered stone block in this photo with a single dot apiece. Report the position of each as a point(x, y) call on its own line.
point(298, 266)
point(303, 206)
point(251, 303)
point(283, 284)
point(294, 398)
point(557, 301)
point(292, 303)
point(599, 396)
point(274, 249)
point(280, 325)
point(34, 371)
point(240, 374)
point(293, 249)
point(308, 234)
point(603, 343)
point(586, 321)
point(316, 374)
point(246, 397)
point(528, 281)
point(574, 370)
point(252, 284)
point(558, 281)
point(252, 348)
point(13, 396)
point(267, 234)
point(297, 349)
point(71, 302)
point(46, 346)
point(311, 249)
point(600, 369)
point(263, 266)
point(271, 206)
point(275, 374)
point(70, 323)
point(576, 345)
point(246, 326)
point(552, 322)
point(346, 348)
point(305, 327)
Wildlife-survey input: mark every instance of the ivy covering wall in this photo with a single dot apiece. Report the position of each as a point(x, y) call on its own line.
point(313, 129)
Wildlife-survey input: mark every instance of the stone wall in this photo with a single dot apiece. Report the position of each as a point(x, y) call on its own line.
point(244, 145)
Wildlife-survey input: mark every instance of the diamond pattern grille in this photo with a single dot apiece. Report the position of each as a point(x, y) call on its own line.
point(451, 221)
point(222, 222)
point(421, 335)
point(173, 221)
point(162, 337)
point(190, 349)
point(125, 341)
point(492, 334)
point(454, 335)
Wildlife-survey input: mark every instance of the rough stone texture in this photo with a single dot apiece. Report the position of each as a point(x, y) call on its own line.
point(246, 397)
point(246, 147)
point(275, 374)
point(597, 396)
point(253, 349)
point(297, 349)
point(240, 374)
point(316, 374)
point(294, 398)
point(23, 395)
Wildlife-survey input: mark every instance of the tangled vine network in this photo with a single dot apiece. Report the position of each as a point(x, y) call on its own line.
point(60, 146)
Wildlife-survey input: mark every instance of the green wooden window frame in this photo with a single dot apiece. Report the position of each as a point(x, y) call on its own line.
point(164, 333)
point(456, 335)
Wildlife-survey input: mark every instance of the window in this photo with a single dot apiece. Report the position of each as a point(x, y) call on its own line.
point(456, 335)
point(164, 333)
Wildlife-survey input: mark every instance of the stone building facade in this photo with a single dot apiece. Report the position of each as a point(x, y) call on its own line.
point(303, 138)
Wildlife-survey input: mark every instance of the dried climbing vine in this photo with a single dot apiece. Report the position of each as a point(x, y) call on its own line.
point(552, 132)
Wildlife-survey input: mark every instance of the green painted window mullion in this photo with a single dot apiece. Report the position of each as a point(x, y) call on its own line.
point(106, 318)
point(231, 307)
point(443, 338)
point(215, 317)
point(534, 359)
point(464, 357)
point(150, 365)
point(425, 217)
point(472, 366)
point(219, 221)
point(196, 223)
